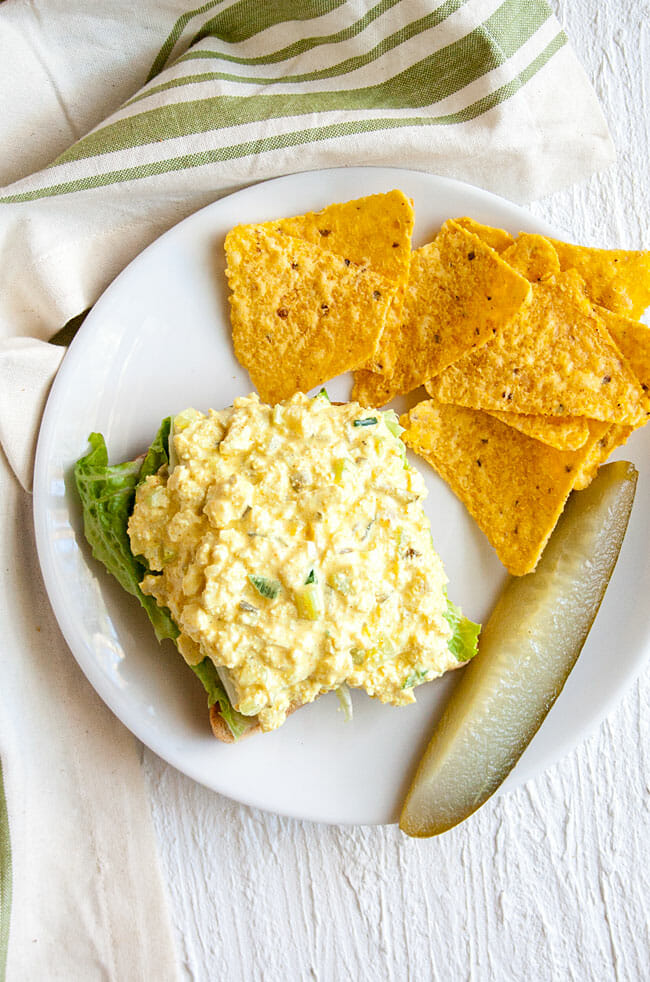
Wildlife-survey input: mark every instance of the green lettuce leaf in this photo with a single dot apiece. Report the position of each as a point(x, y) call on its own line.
point(158, 452)
point(107, 495)
point(207, 672)
point(463, 643)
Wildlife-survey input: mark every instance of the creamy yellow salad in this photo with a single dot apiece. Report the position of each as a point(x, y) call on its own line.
point(291, 547)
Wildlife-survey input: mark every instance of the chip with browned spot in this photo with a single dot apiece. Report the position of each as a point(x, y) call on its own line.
point(373, 231)
point(514, 486)
point(555, 359)
point(300, 314)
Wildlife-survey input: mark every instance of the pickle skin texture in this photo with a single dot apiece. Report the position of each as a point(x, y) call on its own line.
point(526, 652)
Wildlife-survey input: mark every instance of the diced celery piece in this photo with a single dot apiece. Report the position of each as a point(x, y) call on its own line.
point(309, 602)
point(340, 582)
point(342, 470)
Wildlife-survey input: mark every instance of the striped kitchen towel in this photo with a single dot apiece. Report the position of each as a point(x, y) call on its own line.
point(145, 112)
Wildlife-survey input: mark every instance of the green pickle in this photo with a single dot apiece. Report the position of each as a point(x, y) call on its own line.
point(526, 652)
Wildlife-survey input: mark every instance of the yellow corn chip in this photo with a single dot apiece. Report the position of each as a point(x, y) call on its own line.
point(533, 256)
point(615, 436)
point(497, 238)
point(615, 278)
point(561, 432)
point(300, 315)
point(372, 390)
point(555, 359)
point(374, 231)
point(459, 294)
point(633, 340)
point(513, 486)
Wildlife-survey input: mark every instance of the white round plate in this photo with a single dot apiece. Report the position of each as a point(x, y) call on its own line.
point(157, 342)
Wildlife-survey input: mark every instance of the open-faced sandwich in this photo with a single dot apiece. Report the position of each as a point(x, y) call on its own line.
point(286, 552)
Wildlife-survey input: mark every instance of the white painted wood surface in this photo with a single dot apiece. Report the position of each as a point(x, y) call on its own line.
point(551, 882)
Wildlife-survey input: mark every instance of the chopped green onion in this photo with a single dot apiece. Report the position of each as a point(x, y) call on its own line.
point(322, 395)
point(368, 421)
point(309, 602)
point(266, 588)
point(419, 675)
point(312, 577)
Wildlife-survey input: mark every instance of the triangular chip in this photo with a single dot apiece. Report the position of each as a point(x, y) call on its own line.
point(618, 279)
point(497, 238)
point(373, 231)
point(615, 436)
point(533, 256)
point(372, 390)
point(459, 294)
point(633, 340)
point(300, 315)
point(555, 359)
point(561, 432)
point(514, 486)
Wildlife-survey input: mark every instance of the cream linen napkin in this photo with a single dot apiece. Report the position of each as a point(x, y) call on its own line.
point(81, 863)
point(117, 120)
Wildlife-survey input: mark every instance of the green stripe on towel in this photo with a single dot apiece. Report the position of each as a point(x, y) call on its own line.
point(342, 68)
point(294, 138)
point(428, 81)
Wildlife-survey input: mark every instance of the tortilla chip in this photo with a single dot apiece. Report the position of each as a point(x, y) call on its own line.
point(300, 315)
point(372, 390)
point(533, 256)
point(459, 294)
point(615, 436)
point(561, 432)
point(555, 359)
point(615, 278)
point(513, 486)
point(497, 238)
point(374, 231)
point(632, 338)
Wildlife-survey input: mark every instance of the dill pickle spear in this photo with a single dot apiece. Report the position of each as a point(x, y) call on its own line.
point(526, 652)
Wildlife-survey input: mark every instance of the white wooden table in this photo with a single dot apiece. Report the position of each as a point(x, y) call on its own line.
point(550, 882)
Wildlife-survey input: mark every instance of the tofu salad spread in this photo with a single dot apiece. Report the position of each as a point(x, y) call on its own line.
point(291, 547)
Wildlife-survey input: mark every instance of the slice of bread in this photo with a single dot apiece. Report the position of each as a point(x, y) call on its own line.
point(222, 731)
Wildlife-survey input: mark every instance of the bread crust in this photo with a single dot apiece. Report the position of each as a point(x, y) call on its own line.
point(222, 731)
